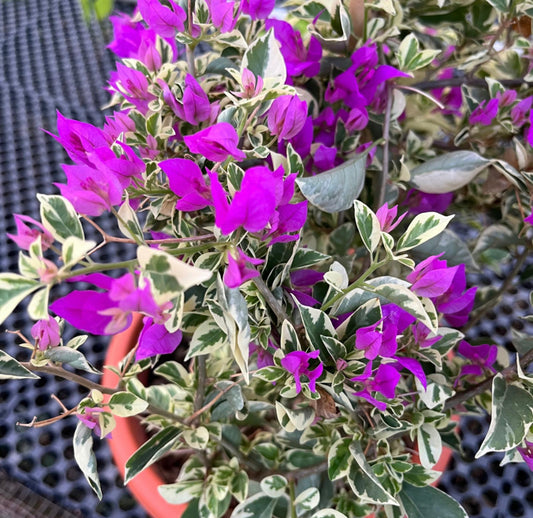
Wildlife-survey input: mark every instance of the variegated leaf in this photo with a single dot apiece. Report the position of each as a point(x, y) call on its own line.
point(424, 227)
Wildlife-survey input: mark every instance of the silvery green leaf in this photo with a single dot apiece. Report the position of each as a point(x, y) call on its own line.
point(364, 481)
point(13, 289)
point(38, 306)
point(125, 404)
point(448, 172)
point(168, 275)
point(339, 459)
point(423, 227)
point(307, 500)
point(455, 250)
point(151, 451)
point(522, 342)
point(72, 357)
point(59, 217)
point(342, 24)
point(407, 51)
point(495, 236)
point(182, 491)
point(85, 457)
point(512, 415)
point(230, 403)
point(368, 226)
point(274, 486)
point(259, 505)
point(12, 369)
point(336, 189)
point(264, 59)
point(289, 338)
point(429, 445)
point(421, 502)
point(207, 338)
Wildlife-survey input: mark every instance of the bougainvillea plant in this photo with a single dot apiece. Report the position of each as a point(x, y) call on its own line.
point(301, 193)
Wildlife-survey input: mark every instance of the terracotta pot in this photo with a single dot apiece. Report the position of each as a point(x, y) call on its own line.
point(129, 435)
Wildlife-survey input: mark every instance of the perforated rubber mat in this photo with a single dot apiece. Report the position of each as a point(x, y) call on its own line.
point(50, 58)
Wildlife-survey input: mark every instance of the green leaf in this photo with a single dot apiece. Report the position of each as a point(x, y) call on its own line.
point(174, 372)
point(168, 275)
point(328, 513)
point(38, 306)
point(103, 8)
point(182, 491)
point(421, 502)
point(336, 189)
point(294, 419)
point(339, 459)
point(423, 227)
point(12, 369)
point(59, 217)
point(75, 249)
point(364, 481)
point(125, 404)
point(207, 338)
point(306, 257)
point(151, 451)
point(368, 226)
point(512, 415)
point(501, 5)
point(259, 505)
point(429, 445)
point(406, 299)
point(264, 59)
point(128, 223)
point(307, 500)
point(317, 324)
point(274, 486)
point(448, 172)
point(72, 357)
point(196, 438)
point(407, 51)
point(84, 455)
point(13, 289)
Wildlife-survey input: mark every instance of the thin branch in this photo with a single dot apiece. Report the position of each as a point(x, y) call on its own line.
point(200, 388)
point(272, 301)
point(464, 80)
point(206, 407)
point(383, 175)
point(510, 374)
point(506, 285)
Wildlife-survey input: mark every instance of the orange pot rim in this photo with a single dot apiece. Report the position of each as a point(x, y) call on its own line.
point(129, 435)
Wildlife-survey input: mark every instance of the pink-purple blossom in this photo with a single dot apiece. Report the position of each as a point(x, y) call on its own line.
point(258, 9)
point(223, 14)
point(299, 60)
point(90, 417)
point(384, 381)
point(162, 19)
point(132, 85)
point(185, 179)
point(482, 358)
point(26, 235)
point(485, 112)
point(298, 364)
point(527, 453)
point(155, 339)
point(194, 107)
point(387, 216)
point(216, 143)
point(91, 191)
point(46, 333)
point(287, 116)
point(238, 270)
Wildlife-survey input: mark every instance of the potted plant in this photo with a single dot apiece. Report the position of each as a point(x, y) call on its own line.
point(302, 198)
